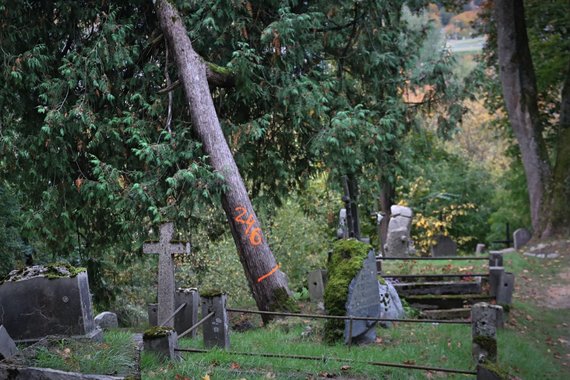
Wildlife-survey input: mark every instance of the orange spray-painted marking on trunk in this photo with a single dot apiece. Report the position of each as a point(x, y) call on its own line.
point(269, 274)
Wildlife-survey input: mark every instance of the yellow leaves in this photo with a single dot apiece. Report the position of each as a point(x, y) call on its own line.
point(439, 222)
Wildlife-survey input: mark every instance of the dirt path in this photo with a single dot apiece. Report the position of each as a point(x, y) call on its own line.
point(558, 295)
point(549, 289)
point(552, 291)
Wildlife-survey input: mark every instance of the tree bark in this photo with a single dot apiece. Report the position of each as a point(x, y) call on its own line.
point(559, 195)
point(518, 82)
point(267, 283)
point(387, 195)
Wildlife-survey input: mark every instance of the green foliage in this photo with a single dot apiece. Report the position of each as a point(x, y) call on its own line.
point(511, 204)
point(448, 195)
point(87, 143)
point(11, 245)
point(85, 139)
point(300, 243)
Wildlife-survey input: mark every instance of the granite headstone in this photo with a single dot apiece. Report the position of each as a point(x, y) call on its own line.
point(34, 306)
point(521, 237)
point(444, 246)
point(390, 303)
point(363, 301)
point(7, 346)
point(398, 241)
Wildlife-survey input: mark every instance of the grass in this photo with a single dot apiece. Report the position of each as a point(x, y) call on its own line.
point(404, 344)
point(530, 347)
point(115, 355)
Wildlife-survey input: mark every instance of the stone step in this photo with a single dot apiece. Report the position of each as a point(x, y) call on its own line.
point(457, 313)
point(444, 301)
point(438, 287)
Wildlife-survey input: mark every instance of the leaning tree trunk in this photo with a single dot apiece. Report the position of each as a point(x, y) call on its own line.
point(267, 283)
point(519, 91)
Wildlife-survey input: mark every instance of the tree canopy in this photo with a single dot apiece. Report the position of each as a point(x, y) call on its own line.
point(98, 142)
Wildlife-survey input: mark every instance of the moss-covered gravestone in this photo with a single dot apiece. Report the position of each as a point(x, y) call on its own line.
point(162, 341)
point(352, 290)
point(47, 300)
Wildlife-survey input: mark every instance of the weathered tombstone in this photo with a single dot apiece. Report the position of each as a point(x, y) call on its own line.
point(505, 289)
point(47, 300)
point(500, 317)
point(390, 303)
point(317, 280)
point(162, 341)
point(342, 230)
point(479, 249)
point(521, 237)
point(495, 259)
point(107, 320)
point(484, 332)
point(188, 316)
point(444, 246)
point(398, 241)
point(363, 301)
point(7, 346)
point(496, 275)
point(216, 329)
point(166, 284)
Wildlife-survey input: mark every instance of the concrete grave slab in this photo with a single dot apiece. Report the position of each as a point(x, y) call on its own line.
point(161, 341)
point(216, 329)
point(188, 316)
point(505, 289)
point(317, 280)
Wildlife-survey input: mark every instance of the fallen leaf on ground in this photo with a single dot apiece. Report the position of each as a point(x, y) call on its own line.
point(235, 365)
point(345, 368)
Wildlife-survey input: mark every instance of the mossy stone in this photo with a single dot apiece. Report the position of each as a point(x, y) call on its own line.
point(494, 368)
point(488, 344)
point(346, 260)
point(211, 292)
point(53, 271)
point(157, 332)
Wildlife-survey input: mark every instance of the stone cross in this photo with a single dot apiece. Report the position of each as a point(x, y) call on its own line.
point(166, 285)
